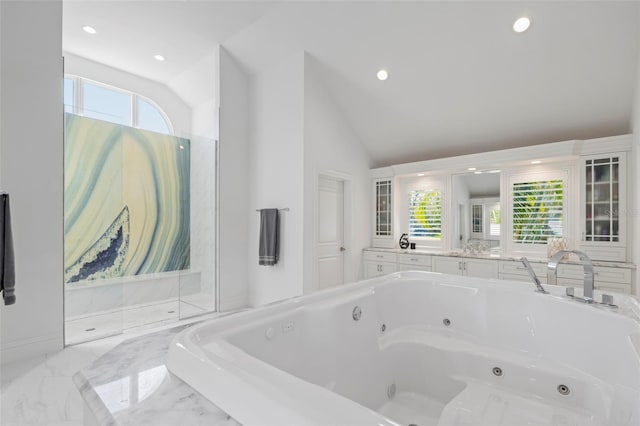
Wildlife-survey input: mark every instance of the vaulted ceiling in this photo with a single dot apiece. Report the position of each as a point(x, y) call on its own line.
point(460, 79)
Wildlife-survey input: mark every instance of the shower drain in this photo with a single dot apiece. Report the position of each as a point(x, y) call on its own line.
point(497, 371)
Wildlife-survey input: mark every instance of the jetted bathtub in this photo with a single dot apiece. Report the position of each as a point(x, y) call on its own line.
point(420, 348)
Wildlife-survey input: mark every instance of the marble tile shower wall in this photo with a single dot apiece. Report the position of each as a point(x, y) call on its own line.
point(203, 211)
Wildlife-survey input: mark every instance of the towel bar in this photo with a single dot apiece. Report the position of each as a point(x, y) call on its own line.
point(286, 209)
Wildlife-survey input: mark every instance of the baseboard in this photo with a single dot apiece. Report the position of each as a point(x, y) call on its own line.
point(30, 348)
point(232, 304)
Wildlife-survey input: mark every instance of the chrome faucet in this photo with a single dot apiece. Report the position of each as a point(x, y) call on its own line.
point(532, 274)
point(552, 273)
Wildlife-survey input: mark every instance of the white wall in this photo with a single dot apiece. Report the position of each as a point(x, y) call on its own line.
point(330, 144)
point(174, 106)
point(276, 162)
point(31, 171)
point(204, 127)
point(234, 170)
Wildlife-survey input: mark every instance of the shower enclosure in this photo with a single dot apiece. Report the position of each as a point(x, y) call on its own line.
point(138, 225)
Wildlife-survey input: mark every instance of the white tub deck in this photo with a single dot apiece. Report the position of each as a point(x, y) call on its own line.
point(307, 362)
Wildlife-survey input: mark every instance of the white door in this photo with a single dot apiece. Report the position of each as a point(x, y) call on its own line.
point(330, 248)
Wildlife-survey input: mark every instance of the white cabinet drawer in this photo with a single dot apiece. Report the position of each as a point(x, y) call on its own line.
point(520, 277)
point(602, 286)
point(379, 256)
point(414, 259)
point(407, 267)
point(517, 268)
point(601, 273)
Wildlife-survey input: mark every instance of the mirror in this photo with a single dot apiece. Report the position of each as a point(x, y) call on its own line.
point(476, 203)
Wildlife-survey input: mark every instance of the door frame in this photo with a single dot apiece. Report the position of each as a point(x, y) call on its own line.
point(347, 237)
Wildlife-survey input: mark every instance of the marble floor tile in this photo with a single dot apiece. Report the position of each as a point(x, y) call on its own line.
point(39, 391)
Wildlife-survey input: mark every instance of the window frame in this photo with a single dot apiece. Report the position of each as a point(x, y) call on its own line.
point(431, 183)
point(78, 104)
point(507, 213)
point(487, 205)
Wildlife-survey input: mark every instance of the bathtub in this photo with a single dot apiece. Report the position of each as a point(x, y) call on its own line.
point(420, 348)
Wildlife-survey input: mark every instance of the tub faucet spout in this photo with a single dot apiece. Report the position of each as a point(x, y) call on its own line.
point(552, 271)
point(532, 274)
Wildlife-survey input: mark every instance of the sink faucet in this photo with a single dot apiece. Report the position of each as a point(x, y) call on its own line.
point(532, 274)
point(552, 272)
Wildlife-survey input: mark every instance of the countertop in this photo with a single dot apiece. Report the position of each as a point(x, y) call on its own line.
point(131, 385)
point(494, 255)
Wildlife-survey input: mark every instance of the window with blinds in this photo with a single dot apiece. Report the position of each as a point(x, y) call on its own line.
point(538, 211)
point(425, 214)
point(495, 219)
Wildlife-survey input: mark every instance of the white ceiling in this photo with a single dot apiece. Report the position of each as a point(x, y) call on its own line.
point(461, 81)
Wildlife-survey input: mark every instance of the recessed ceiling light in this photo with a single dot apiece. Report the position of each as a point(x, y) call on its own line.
point(536, 162)
point(158, 58)
point(382, 75)
point(477, 173)
point(420, 174)
point(521, 25)
point(89, 29)
point(471, 169)
point(494, 171)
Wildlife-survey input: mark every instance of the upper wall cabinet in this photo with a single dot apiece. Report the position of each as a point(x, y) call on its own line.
point(603, 204)
point(383, 221)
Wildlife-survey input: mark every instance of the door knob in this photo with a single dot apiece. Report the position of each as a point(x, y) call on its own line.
point(342, 249)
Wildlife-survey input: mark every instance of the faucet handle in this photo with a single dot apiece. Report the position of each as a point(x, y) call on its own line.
point(570, 291)
point(607, 299)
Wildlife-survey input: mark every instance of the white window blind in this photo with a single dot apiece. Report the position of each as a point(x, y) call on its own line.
point(495, 219)
point(538, 211)
point(425, 214)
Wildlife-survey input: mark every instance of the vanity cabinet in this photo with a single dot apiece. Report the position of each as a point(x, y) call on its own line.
point(605, 278)
point(481, 268)
point(514, 270)
point(603, 197)
point(383, 220)
point(414, 262)
point(378, 263)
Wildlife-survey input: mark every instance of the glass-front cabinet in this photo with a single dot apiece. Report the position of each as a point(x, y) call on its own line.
point(383, 223)
point(603, 203)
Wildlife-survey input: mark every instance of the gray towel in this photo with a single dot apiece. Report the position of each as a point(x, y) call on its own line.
point(268, 249)
point(7, 261)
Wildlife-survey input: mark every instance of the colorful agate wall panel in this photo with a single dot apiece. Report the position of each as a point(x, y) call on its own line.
point(126, 201)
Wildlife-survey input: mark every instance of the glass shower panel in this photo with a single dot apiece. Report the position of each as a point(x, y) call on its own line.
point(198, 282)
point(96, 223)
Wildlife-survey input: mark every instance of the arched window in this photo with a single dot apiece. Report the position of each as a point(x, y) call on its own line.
point(108, 103)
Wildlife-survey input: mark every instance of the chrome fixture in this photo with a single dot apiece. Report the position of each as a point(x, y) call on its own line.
point(564, 390)
point(552, 273)
point(532, 274)
point(356, 313)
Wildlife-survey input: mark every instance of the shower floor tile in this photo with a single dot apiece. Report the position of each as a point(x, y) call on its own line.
point(91, 327)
